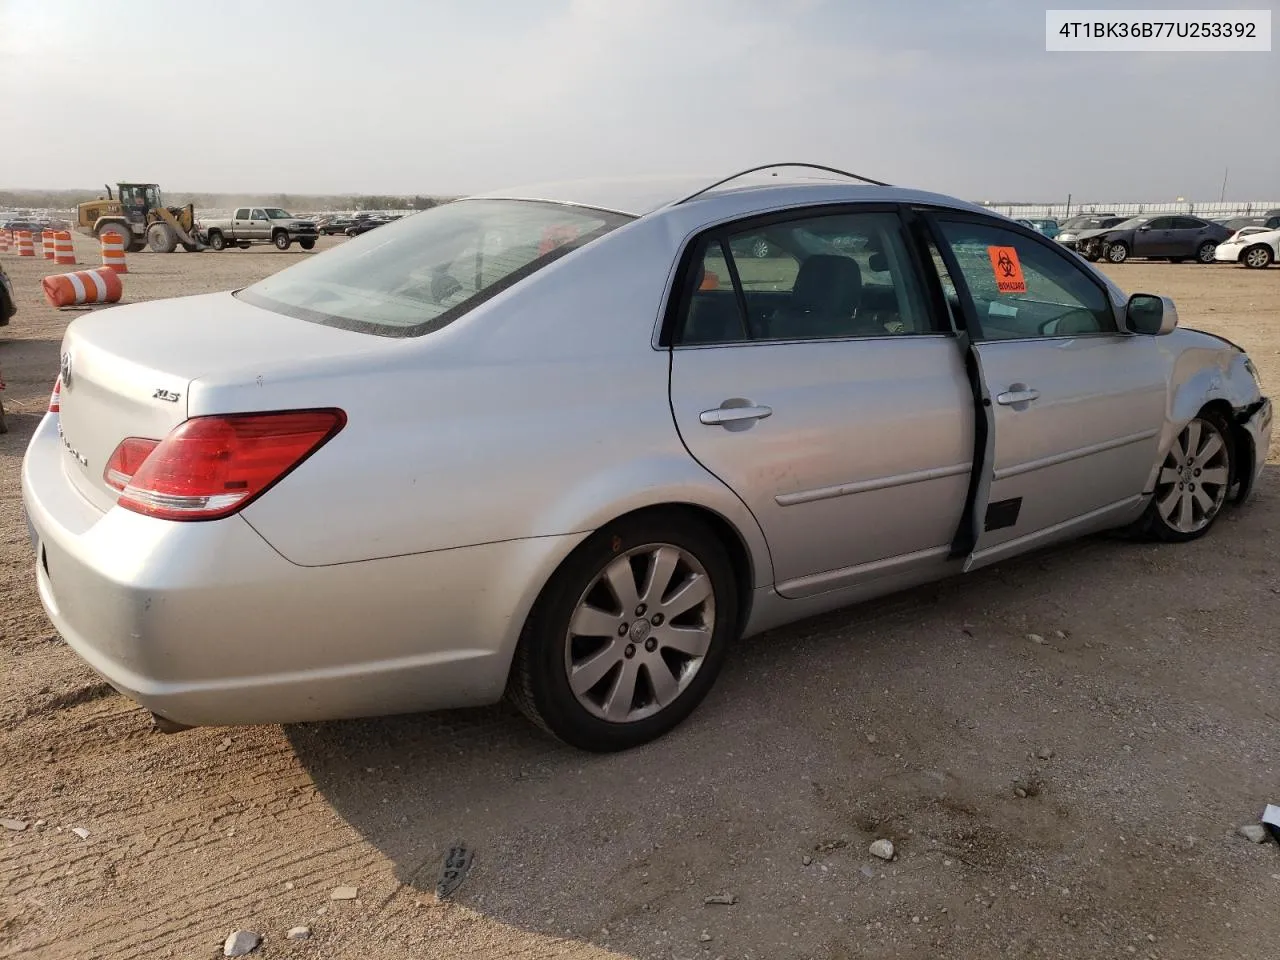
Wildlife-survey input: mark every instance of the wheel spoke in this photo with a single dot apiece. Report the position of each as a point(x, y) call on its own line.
point(1177, 452)
point(1214, 475)
point(690, 593)
point(589, 621)
point(1169, 504)
point(1186, 518)
point(622, 581)
point(665, 686)
point(691, 641)
point(1170, 475)
point(1212, 444)
point(661, 568)
point(1192, 441)
point(623, 693)
point(591, 671)
point(1205, 501)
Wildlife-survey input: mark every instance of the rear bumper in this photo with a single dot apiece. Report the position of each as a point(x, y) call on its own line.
point(206, 624)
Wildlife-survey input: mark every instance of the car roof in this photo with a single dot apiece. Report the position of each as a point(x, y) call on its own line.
point(640, 196)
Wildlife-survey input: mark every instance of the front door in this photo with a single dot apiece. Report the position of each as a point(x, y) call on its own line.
point(1154, 238)
point(1074, 405)
point(811, 376)
point(259, 225)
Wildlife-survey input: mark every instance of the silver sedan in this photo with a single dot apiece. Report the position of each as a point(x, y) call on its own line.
point(569, 443)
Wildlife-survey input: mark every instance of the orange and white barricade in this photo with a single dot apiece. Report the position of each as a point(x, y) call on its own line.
point(83, 286)
point(113, 253)
point(6, 239)
point(64, 250)
point(26, 246)
point(46, 241)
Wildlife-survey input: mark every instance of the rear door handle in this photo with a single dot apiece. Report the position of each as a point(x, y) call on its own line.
point(1026, 395)
point(722, 415)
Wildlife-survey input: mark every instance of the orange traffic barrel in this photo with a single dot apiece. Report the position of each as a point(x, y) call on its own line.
point(113, 252)
point(26, 246)
point(6, 238)
point(64, 250)
point(46, 241)
point(83, 286)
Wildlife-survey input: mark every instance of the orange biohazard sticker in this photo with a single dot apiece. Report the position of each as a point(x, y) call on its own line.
point(1007, 270)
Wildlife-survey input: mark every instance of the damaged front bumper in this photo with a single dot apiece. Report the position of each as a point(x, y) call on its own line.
point(1255, 422)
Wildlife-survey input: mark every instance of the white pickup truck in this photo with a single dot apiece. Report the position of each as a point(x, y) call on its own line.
point(252, 225)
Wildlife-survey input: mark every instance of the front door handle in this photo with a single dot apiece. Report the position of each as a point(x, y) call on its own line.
point(722, 415)
point(1024, 395)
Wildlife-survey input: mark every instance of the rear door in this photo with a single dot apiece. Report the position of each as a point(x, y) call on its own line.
point(809, 372)
point(1188, 235)
point(240, 224)
point(1074, 406)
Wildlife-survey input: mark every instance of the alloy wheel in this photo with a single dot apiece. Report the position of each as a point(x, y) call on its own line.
point(640, 633)
point(1193, 480)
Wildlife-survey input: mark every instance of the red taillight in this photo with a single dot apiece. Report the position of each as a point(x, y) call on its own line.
point(126, 461)
point(55, 401)
point(210, 467)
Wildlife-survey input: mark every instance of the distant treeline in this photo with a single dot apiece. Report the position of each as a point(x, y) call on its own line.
point(293, 202)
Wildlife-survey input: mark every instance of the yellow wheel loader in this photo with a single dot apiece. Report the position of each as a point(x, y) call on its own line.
point(139, 215)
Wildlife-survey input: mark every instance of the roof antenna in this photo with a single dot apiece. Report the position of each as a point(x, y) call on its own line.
point(770, 166)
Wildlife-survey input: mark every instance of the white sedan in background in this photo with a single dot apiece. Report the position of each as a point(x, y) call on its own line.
point(1255, 247)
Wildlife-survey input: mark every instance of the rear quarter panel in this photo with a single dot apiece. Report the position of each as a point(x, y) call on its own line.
point(543, 412)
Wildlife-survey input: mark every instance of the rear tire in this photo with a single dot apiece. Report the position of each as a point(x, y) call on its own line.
point(1192, 486)
point(638, 676)
point(1204, 252)
point(217, 241)
point(125, 234)
point(161, 238)
point(1117, 252)
point(281, 240)
point(1258, 257)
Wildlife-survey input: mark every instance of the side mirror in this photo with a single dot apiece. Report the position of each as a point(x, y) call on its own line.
point(1152, 316)
point(1145, 227)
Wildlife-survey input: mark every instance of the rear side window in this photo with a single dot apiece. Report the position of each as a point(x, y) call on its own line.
point(421, 272)
point(812, 278)
point(241, 214)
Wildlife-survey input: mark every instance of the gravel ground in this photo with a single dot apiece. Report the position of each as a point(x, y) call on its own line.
point(1072, 798)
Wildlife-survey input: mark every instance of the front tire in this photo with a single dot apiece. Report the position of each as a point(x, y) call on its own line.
point(1117, 252)
point(1193, 482)
point(629, 635)
point(161, 238)
point(281, 240)
point(1257, 258)
point(1204, 252)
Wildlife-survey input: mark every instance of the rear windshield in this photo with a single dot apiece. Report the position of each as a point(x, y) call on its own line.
point(419, 273)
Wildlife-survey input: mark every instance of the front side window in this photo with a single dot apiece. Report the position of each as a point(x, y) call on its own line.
point(819, 277)
point(258, 214)
point(419, 273)
point(1161, 223)
point(1022, 288)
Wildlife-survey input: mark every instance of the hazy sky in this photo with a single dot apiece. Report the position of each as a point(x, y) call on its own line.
point(454, 96)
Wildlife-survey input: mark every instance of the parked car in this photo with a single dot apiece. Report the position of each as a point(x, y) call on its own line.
point(364, 225)
point(528, 443)
point(1174, 238)
point(1256, 246)
point(8, 307)
point(335, 225)
point(249, 225)
point(1070, 229)
point(17, 225)
point(1047, 226)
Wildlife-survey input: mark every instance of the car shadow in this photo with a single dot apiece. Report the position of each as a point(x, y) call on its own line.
point(888, 719)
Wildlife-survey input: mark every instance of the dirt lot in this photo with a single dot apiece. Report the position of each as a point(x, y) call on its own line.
point(1141, 732)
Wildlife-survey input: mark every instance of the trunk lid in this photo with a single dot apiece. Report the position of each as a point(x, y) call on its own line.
point(131, 369)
